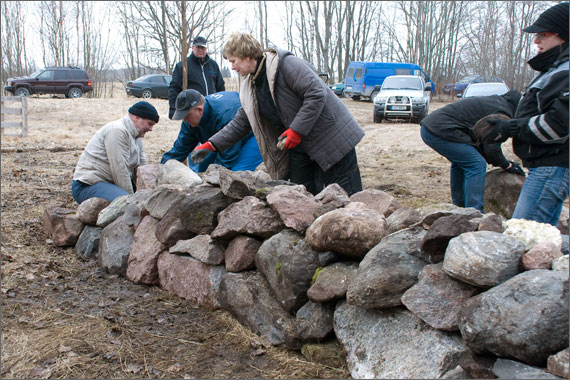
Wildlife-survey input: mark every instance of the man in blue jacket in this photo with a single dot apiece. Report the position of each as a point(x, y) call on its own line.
point(203, 74)
point(202, 118)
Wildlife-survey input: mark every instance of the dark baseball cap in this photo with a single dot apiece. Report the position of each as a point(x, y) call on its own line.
point(553, 20)
point(184, 101)
point(199, 41)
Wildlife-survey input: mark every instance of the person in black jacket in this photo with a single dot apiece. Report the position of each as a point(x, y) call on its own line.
point(203, 73)
point(448, 131)
point(540, 127)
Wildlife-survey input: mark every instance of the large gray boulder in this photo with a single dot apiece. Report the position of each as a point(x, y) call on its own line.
point(442, 231)
point(378, 200)
point(350, 231)
point(195, 214)
point(114, 247)
point(402, 218)
point(191, 279)
point(87, 244)
point(135, 211)
point(315, 320)
point(331, 197)
point(201, 247)
point(89, 210)
point(525, 318)
point(113, 211)
point(163, 198)
point(502, 191)
point(383, 276)
point(240, 253)
point(483, 258)
point(174, 172)
point(410, 239)
point(437, 299)
point(142, 262)
point(295, 208)
point(288, 263)
point(248, 297)
point(511, 369)
point(250, 216)
point(331, 282)
point(431, 213)
point(394, 344)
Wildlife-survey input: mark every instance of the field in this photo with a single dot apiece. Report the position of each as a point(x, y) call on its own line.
point(63, 317)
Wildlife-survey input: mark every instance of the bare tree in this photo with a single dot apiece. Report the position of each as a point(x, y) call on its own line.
point(15, 61)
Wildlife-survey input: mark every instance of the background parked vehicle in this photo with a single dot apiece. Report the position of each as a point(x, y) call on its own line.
point(338, 89)
point(459, 86)
point(484, 89)
point(71, 81)
point(363, 79)
point(402, 96)
point(149, 86)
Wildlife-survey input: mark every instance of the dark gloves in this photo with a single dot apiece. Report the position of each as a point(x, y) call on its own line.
point(288, 139)
point(496, 131)
point(200, 152)
point(515, 168)
point(171, 113)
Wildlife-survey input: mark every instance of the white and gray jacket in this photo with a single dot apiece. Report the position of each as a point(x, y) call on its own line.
point(112, 155)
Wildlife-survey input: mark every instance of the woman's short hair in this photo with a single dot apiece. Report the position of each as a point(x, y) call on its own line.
point(242, 45)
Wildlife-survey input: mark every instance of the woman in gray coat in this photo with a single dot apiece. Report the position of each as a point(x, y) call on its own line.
point(305, 133)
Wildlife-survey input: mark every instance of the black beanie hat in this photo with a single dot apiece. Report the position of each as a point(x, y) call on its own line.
point(553, 20)
point(145, 110)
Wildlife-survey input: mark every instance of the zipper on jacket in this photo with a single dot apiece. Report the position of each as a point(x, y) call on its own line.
point(205, 81)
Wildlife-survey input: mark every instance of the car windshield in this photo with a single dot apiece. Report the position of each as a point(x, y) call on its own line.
point(36, 73)
point(486, 90)
point(402, 84)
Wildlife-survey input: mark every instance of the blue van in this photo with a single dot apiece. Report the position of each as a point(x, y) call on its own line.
point(364, 79)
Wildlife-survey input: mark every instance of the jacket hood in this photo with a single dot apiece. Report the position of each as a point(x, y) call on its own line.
point(513, 97)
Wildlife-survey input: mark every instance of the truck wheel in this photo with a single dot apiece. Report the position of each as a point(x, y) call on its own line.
point(356, 98)
point(75, 92)
point(377, 118)
point(22, 91)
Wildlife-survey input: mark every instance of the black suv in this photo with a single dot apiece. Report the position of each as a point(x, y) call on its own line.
point(71, 81)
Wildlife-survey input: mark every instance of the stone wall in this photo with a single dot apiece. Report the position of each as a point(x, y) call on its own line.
point(439, 291)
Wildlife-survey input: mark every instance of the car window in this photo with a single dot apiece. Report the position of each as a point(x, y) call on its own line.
point(358, 73)
point(467, 79)
point(402, 71)
point(156, 79)
point(402, 83)
point(60, 75)
point(350, 72)
point(78, 74)
point(36, 74)
point(168, 78)
point(46, 75)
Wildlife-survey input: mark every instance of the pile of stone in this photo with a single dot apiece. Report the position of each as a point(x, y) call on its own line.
point(438, 291)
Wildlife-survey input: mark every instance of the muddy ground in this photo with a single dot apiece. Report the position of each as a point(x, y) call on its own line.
point(63, 317)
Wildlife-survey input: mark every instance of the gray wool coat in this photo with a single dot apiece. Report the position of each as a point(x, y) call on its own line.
point(305, 104)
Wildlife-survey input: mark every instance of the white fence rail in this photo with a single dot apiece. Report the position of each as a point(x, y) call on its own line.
point(22, 110)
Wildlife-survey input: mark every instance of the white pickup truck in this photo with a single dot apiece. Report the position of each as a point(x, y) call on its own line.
point(402, 96)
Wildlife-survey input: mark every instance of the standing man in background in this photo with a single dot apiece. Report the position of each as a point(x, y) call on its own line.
point(203, 73)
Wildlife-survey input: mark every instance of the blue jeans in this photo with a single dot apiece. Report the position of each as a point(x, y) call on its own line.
point(468, 169)
point(543, 194)
point(82, 191)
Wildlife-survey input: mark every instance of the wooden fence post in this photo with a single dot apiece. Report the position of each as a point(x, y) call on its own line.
point(23, 111)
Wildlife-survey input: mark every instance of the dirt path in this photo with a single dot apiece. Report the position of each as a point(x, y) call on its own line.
point(63, 317)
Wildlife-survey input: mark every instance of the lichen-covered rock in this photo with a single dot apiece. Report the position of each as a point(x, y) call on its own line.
point(532, 233)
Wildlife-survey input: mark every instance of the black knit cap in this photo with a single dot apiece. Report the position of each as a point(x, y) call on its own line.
point(553, 20)
point(145, 110)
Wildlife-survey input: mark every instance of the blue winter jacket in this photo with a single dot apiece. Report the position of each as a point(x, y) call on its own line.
point(219, 109)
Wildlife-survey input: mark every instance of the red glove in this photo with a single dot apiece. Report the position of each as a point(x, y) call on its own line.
point(206, 145)
point(292, 138)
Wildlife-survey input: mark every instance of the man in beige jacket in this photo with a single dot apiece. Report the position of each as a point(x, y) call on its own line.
point(107, 166)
